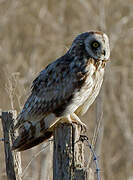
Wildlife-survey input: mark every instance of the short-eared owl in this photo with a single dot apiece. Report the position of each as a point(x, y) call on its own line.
point(64, 89)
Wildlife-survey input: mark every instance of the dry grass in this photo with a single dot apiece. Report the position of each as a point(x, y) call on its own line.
point(33, 33)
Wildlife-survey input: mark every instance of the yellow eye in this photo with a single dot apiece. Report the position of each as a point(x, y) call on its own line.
point(95, 44)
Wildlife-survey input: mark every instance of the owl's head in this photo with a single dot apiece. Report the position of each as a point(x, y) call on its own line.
point(95, 44)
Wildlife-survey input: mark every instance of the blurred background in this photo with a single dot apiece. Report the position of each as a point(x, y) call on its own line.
point(33, 34)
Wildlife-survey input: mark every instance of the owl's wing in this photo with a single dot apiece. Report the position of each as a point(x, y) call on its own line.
point(52, 90)
point(56, 89)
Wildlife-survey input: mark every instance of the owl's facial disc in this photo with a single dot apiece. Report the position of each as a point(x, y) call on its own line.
point(97, 46)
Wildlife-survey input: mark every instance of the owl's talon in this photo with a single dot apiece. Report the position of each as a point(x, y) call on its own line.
point(76, 119)
point(83, 128)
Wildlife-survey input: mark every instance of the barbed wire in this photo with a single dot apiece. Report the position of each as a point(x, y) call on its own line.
point(95, 159)
point(34, 156)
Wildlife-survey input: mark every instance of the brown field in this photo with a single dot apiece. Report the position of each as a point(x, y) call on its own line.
point(34, 33)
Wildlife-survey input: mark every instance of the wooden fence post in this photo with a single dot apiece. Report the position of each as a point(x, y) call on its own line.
point(68, 154)
point(12, 158)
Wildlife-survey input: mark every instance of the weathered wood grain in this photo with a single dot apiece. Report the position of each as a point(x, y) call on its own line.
point(12, 158)
point(68, 155)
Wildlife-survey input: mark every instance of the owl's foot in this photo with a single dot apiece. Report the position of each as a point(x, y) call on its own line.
point(76, 119)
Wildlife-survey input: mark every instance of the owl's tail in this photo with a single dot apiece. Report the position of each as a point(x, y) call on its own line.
point(33, 133)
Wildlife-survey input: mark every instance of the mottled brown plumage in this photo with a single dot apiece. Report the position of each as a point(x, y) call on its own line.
point(64, 89)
